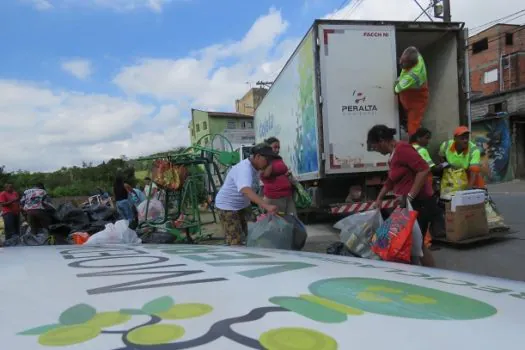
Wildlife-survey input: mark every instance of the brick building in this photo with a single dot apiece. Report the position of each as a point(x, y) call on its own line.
point(497, 85)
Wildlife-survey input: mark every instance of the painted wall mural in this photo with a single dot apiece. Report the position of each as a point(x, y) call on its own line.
point(493, 138)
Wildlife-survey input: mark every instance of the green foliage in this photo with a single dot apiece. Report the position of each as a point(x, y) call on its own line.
point(73, 181)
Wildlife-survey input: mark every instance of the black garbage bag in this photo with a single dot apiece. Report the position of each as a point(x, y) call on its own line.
point(299, 232)
point(158, 238)
point(339, 248)
point(100, 213)
point(13, 241)
point(75, 217)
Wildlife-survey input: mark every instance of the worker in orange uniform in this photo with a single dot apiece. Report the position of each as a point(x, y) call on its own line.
point(412, 88)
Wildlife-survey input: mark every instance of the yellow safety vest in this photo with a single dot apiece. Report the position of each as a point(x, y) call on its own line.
point(423, 152)
point(412, 78)
point(463, 160)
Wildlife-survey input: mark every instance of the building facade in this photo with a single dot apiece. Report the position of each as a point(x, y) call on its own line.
point(497, 80)
point(250, 101)
point(236, 127)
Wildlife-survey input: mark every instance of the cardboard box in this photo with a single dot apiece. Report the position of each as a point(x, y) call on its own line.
point(467, 221)
point(469, 197)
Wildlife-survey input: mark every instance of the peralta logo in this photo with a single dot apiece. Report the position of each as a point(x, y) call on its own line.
point(360, 105)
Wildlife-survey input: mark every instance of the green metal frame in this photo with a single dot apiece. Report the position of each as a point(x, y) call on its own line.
point(194, 156)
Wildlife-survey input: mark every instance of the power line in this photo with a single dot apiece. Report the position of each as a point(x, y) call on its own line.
point(500, 19)
point(501, 36)
point(353, 6)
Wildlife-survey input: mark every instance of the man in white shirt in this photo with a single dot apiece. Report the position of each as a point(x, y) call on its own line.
point(235, 195)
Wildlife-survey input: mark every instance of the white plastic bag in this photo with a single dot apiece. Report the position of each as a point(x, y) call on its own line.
point(358, 222)
point(118, 233)
point(417, 236)
point(155, 210)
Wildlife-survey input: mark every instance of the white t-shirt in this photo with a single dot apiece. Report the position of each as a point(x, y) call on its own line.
point(240, 176)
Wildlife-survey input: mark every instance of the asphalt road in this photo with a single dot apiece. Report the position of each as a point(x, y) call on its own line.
point(504, 257)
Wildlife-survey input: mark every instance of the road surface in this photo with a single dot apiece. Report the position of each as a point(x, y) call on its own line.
point(502, 258)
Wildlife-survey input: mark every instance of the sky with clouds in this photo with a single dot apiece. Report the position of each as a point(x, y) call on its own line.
point(88, 80)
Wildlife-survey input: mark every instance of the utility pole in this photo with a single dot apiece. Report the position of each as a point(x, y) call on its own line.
point(446, 11)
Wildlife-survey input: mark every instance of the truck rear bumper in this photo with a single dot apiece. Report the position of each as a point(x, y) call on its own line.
point(350, 208)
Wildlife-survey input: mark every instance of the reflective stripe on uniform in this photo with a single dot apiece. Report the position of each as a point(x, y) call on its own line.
point(416, 78)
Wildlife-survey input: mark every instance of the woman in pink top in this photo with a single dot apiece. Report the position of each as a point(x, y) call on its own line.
point(278, 189)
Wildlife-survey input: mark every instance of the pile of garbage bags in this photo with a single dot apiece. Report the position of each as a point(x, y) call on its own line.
point(66, 220)
point(367, 235)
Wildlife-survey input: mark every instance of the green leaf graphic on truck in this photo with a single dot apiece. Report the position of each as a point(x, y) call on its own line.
point(331, 301)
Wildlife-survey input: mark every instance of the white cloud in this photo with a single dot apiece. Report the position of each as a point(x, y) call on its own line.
point(472, 12)
point(79, 68)
point(41, 5)
point(201, 79)
point(45, 129)
point(115, 5)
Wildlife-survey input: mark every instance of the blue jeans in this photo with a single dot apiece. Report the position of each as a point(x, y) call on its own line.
point(11, 225)
point(124, 210)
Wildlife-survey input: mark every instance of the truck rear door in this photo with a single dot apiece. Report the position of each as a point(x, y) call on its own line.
point(358, 71)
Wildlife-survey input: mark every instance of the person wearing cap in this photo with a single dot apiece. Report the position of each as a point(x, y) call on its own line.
point(278, 188)
point(236, 194)
point(461, 153)
point(412, 88)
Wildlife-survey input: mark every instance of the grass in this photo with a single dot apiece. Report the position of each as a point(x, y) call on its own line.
point(141, 174)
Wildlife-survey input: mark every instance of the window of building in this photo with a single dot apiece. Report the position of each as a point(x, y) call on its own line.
point(197, 128)
point(250, 125)
point(480, 46)
point(204, 126)
point(243, 124)
point(206, 140)
point(509, 39)
point(490, 76)
point(231, 124)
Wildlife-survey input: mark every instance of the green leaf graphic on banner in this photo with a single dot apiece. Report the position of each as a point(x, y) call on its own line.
point(155, 334)
point(158, 305)
point(40, 330)
point(77, 314)
point(68, 335)
point(296, 339)
point(132, 312)
point(184, 311)
point(108, 319)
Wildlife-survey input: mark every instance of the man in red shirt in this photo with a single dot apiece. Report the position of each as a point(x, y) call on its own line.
point(10, 202)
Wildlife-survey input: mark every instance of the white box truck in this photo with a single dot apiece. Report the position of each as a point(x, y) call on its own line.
point(338, 83)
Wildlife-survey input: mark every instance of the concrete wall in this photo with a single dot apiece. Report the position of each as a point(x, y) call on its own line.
point(203, 124)
point(443, 113)
point(200, 123)
point(515, 103)
point(250, 101)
